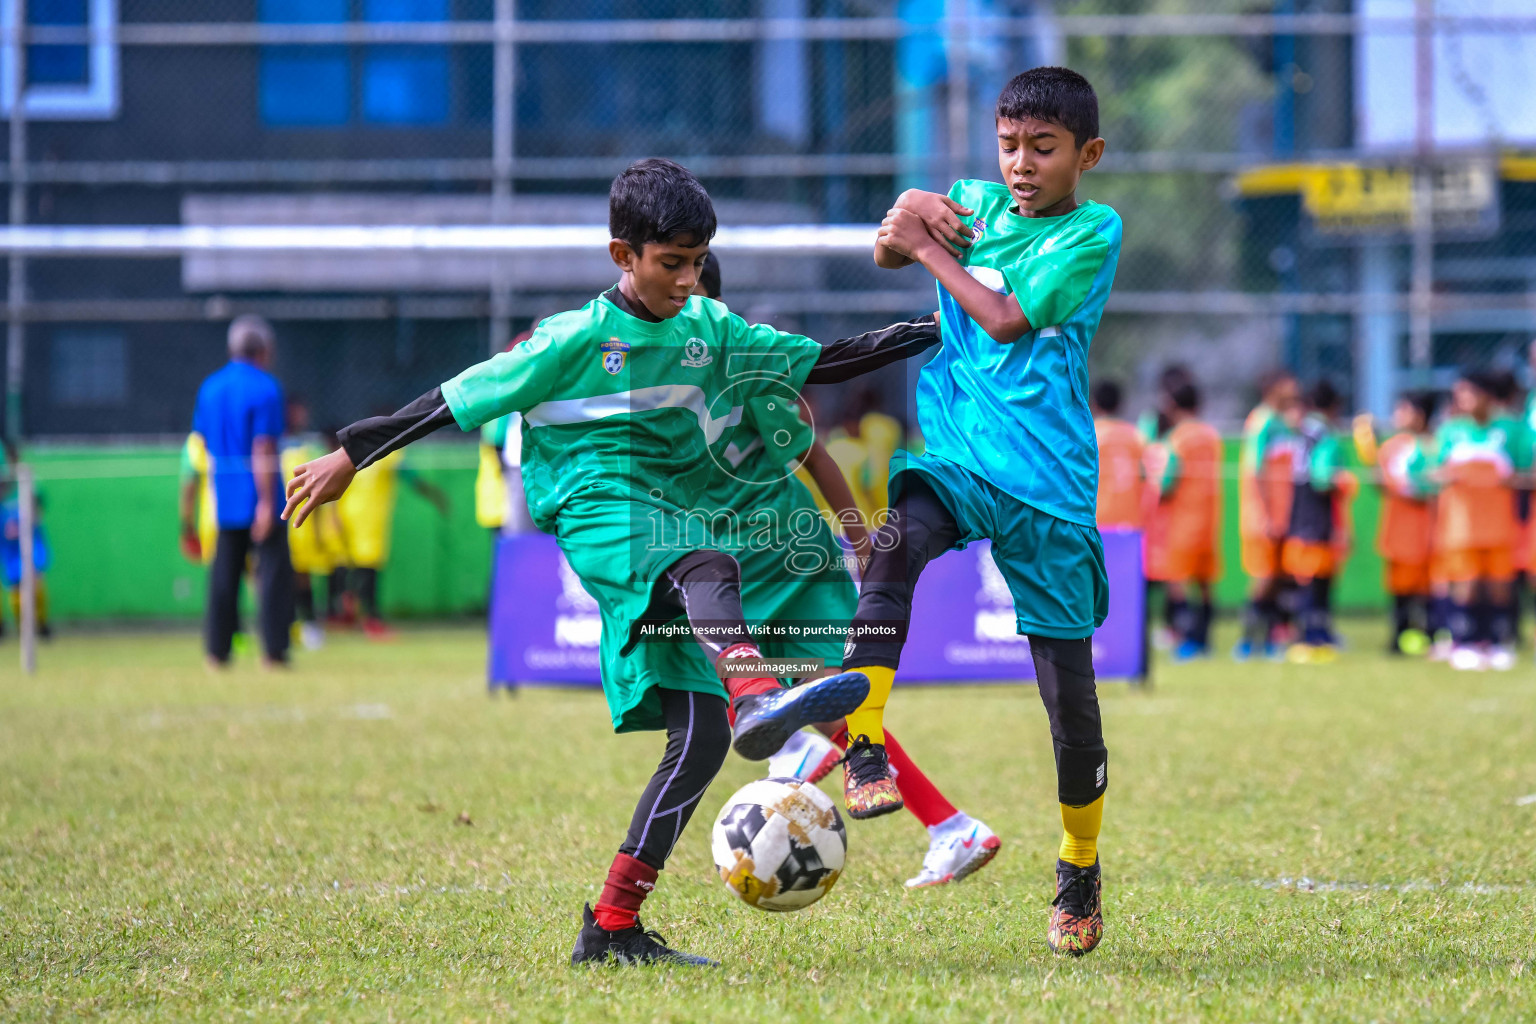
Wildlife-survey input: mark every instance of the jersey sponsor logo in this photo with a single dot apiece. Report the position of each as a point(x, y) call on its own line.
point(696, 353)
point(978, 227)
point(614, 354)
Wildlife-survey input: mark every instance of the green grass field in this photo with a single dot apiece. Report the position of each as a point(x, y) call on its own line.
point(371, 837)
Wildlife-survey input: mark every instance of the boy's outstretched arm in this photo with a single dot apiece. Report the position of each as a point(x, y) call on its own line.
point(362, 444)
point(847, 358)
point(1000, 316)
point(834, 487)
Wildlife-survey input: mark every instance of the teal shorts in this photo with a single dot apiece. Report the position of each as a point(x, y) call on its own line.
point(1054, 568)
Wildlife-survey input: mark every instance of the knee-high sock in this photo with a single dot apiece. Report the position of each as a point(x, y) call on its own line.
point(1258, 620)
point(869, 719)
point(1402, 616)
point(1203, 624)
point(917, 791)
point(1080, 833)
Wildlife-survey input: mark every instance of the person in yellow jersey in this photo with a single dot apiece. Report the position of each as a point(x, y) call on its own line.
point(199, 521)
point(316, 547)
point(882, 435)
point(367, 515)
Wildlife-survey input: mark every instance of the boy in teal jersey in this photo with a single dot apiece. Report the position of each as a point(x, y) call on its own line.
point(1023, 269)
point(630, 407)
point(797, 591)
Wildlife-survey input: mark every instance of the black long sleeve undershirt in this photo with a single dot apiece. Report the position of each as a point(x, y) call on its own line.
point(367, 441)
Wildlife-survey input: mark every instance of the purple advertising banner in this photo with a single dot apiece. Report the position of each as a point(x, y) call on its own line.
point(545, 628)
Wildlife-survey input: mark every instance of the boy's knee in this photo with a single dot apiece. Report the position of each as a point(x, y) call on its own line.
point(711, 738)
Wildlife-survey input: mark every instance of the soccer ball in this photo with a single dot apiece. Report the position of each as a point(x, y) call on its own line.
point(779, 844)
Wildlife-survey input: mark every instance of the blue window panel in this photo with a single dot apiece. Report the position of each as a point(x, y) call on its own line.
point(405, 10)
point(58, 65)
point(405, 84)
point(304, 85)
point(289, 12)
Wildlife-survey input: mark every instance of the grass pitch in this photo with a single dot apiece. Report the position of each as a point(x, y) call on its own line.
point(371, 837)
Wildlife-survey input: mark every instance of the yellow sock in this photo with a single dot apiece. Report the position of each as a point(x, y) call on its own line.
point(1080, 833)
point(869, 719)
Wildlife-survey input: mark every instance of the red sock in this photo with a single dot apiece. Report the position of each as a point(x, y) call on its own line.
point(920, 795)
point(741, 686)
point(629, 882)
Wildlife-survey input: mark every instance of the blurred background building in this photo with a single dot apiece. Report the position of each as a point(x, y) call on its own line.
point(1276, 170)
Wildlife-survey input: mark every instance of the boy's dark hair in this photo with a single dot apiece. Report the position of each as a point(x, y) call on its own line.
point(1323, 396)
point(1058, 95)
point(709, 277)
point(657, 200)
point(1186, 396)
point(1502, 385)
point(1425, 402)
point(1480, 379)
point(1106, 395)
point(1172, 377)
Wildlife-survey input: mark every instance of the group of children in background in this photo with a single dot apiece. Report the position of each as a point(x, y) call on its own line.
point(347, 544)
point(1455, 535)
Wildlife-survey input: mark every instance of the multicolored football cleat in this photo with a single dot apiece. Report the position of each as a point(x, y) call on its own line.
point(956, 849)
point(869, 788)
point(631, 947)
point(1077, 912)
point(766, 721)
point(807, 756)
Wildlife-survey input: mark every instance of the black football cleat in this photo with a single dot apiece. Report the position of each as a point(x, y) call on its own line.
point(869, 788)
point(1077, 912)
point(766, 721)
point(630, 947)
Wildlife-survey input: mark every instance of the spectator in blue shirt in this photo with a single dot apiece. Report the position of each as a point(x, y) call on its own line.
point(240, 412)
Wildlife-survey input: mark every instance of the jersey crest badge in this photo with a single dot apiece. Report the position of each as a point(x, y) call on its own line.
point(614, 353)
point(978, 227)
point(696, 353)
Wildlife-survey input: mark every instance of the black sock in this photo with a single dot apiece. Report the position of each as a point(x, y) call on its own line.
point(1463, 624)
point(1179, 618)
point(1402, 617)
point(1203, 625)
point(304, 602)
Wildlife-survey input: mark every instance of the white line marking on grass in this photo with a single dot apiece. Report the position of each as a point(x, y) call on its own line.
point(368, 712)
point(1525, 801)
point(1305, 884)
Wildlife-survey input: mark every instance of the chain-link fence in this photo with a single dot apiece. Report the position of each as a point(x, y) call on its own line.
point(1332, 185)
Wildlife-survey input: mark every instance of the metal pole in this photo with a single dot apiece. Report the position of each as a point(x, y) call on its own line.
point(26, 516)
point(16, 297)
point(1422, 284)
point(957, 16)
point(503, 139)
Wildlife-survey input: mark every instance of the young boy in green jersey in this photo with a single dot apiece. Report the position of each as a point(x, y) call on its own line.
point(630, 407)
point(1023, 268)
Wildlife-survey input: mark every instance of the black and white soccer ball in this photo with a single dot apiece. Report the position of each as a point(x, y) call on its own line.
point(779, 844)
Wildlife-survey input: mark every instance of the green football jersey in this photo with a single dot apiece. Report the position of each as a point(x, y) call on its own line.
point(615, 406)
point(628, 426)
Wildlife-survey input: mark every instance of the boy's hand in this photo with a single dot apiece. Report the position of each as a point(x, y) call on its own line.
point(315, 483)
point(941, 216)
point(904, 233)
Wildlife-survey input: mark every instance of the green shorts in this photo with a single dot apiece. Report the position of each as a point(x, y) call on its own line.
point(801, 587)
point(1054, 569)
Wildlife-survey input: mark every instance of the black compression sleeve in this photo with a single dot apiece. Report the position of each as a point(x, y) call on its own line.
point(848, 358)
point(368, 441)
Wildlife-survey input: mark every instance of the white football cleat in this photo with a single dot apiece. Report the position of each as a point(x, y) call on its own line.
point(807, 756)
point(1501, 658)
point(1468, 659)
point(956, 848)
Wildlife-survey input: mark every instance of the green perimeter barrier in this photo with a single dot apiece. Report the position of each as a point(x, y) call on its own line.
point(111, 517)
point(110, 513)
